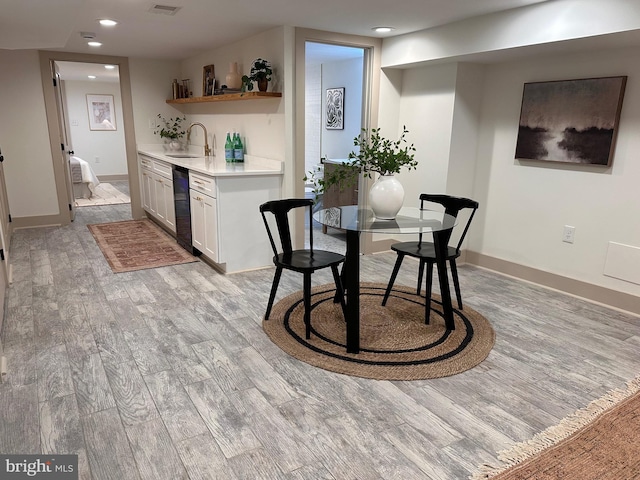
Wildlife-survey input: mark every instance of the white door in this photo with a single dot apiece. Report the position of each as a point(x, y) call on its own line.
point(65, 146)
point(5, 228)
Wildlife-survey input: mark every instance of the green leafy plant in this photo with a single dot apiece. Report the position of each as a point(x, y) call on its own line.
point(376, 154)
point(260, 69)
point(171, 128)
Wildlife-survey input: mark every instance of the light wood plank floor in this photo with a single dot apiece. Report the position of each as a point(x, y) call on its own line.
point(167, 374)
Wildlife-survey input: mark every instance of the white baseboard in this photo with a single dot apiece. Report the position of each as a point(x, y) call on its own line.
point(594, 293)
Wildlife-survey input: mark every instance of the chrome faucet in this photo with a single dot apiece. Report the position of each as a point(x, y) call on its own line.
point(207, 150)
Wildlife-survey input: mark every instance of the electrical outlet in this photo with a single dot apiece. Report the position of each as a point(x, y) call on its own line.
point(152, 123)
point(97, 159)
point(568, 233)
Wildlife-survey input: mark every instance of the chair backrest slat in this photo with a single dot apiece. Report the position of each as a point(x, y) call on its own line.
point(280, 210)
point(452, 206)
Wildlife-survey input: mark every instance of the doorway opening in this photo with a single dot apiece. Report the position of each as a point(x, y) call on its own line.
point(334, 115)
point(90, 107)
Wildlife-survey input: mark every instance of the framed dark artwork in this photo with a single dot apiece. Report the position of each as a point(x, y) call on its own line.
point(334, 109)
point(101, 112)
point(208, 80)
point(570, 121)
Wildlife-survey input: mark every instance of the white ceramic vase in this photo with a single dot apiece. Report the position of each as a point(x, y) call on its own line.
point(386, 197)
point(175, 145)
point(234, 80)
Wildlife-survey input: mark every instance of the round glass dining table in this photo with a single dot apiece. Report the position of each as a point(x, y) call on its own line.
point(355, 220)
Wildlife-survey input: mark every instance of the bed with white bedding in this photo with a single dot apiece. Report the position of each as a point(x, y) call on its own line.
point(83, 178)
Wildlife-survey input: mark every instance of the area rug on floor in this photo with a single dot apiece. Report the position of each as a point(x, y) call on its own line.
point(136, 245)
point(105, 194)
point(600, 441)
point(395, 343)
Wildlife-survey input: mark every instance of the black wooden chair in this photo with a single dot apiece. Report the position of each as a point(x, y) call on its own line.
point(305, 261)
point(425, 251)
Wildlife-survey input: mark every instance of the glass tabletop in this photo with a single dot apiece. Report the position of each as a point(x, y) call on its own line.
point(408, 220)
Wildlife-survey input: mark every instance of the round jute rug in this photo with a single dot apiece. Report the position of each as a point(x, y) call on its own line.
point(395, 343)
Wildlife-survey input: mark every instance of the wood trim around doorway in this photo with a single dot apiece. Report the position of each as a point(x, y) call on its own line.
point(46, 59)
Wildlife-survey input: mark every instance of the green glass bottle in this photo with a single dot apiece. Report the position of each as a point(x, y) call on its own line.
point(228, 149)
point(238, 149)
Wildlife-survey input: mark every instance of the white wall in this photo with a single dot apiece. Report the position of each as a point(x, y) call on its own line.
point(150, 88)
point(24, 137)
point(347, 74)
point(312, 116)
point(104, 150)
point(524, 205)
point(426, 109)
point(261, 123)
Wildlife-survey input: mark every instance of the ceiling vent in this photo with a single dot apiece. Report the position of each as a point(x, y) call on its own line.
point(164, 9)
point(88, 35)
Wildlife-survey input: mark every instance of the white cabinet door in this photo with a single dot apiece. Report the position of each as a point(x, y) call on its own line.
point(148, 192)
point(147, 186)
point(197, 220)
point(161, 206)
point(165, 207)
point(170, 207)
point(210, 228)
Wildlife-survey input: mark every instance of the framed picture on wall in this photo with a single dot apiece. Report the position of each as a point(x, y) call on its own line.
point(334, 109)
point(570, 121)
point(208, 80)
point(102, 115)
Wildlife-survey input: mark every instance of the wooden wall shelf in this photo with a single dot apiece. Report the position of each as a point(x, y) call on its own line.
point(229, 97)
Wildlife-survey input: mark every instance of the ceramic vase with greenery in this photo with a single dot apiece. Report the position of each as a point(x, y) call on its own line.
point(171, 131)
point(375, 154)
point(260, 73)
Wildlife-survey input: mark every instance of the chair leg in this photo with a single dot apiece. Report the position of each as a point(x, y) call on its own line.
point(456, 283)
point(274, 289)
point(420, 271)
point(427, 300)
point(306, 293)
point(336, 297)
point(339, 290)
point(392, 280)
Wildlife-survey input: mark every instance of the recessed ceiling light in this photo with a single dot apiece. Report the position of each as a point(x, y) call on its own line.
point(382, 29)
point(94, 44)
point(108, 23)
point(91, 76)
point(109, 67)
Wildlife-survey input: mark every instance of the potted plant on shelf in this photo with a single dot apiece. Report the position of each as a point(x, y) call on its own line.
point(172, 131)
point(261, 73)
point(375, 154)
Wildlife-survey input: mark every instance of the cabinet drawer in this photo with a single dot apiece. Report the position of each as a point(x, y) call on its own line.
point(162, 168)
point(146, 163)
point(202, 184)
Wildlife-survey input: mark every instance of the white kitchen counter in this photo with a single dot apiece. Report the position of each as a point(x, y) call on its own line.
point(214, 166)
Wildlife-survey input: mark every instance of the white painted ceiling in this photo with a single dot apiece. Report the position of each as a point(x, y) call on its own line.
point(201, 25)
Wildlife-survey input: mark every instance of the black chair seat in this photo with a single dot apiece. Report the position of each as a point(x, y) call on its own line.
point(424, 249)
point(303, 260)
point(426, 252)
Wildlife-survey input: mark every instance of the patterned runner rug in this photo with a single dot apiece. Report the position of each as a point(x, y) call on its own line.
point(601, 441)
point(136, 245)
point(395, 342)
